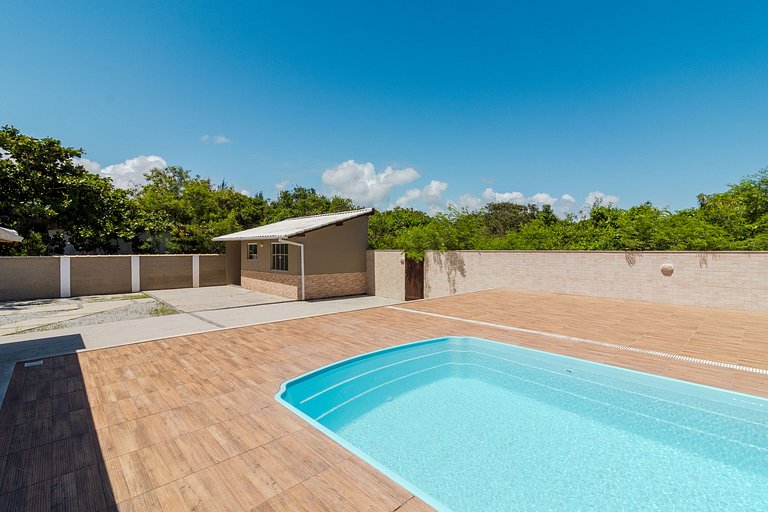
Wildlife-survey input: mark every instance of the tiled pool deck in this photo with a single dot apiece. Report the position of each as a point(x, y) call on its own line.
point(190, 423)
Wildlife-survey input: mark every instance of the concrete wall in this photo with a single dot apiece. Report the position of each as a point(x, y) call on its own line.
point(94, 275)
point(213, 270)
point(717, 279)
point(30, 277)
point(386, 274)
point(159, 272)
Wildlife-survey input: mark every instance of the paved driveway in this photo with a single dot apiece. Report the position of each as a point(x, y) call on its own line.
point(190, 300)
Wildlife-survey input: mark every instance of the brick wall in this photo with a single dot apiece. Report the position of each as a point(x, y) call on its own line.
point(736, 280)
point(274, 283)
point(334, 285)
point(316, 286)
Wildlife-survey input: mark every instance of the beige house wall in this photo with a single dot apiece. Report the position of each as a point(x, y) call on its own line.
point(334, 263)
point(328, 250)
point(341, 249)
point(29, 277)
point(264, 258)
point(736, 280)
point(386, 274)
point(94, 275)
point(233, 263)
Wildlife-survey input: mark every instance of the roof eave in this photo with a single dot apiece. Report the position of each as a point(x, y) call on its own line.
point(273, 236)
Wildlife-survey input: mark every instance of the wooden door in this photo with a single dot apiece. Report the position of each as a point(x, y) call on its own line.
point(414, 279)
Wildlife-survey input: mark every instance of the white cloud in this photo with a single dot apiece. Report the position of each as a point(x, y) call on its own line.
point(125, 174)
point(492, 196)
point(561, 206)
point(279, 186)
point(89, 165)
point(543, 198)
point(216, 139)
point(431, 195)
point(470, 201)
point(361, 183)
point(407, 197)
point(597, 196)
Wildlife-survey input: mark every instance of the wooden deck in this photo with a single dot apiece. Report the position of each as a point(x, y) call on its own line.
point(190, 423)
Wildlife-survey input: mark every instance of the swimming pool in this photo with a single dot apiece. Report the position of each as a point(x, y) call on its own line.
point(471, 424)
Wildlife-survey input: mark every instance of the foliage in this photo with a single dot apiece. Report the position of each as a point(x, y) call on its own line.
point(300, 202)
point(181, 214)
point(452, 231)
point(502, 217)
point(384, 227)
point(49, 199)
point(736, 219)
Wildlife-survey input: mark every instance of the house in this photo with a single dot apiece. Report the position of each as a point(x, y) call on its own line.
point(302, 257)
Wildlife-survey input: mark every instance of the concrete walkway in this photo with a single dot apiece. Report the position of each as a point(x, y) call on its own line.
point(189, 300)
point(21, 347)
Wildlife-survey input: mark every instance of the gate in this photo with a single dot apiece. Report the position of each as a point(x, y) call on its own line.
point(414, 279)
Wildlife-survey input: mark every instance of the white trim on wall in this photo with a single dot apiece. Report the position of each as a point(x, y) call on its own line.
point(195, 271)
point(65, 278)
point(135, 273)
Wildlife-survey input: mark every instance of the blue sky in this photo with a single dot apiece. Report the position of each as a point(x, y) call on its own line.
point(414, 103)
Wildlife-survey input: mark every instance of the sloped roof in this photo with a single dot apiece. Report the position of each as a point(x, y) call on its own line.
point(9, 235)
point(292, 227)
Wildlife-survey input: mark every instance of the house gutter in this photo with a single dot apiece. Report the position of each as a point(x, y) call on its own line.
point(300, 246)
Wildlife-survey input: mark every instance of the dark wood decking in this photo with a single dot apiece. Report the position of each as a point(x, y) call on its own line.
point(190, 423)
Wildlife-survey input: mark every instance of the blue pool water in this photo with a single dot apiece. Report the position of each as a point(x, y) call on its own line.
point(469, 424)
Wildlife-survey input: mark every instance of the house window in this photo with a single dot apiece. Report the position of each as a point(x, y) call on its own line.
point(253, 251)
point(280, 257)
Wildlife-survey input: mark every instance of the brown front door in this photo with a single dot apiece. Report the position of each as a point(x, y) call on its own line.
point(414, 279)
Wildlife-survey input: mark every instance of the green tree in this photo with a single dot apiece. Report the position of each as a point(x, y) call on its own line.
point(301, 201)
point(49, 199)
point(385, 226)
point(452, 231)
point(181, 213)
point(502, 217)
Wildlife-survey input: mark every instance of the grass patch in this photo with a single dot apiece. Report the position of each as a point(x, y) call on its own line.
point(162, 309)
point(132, 296)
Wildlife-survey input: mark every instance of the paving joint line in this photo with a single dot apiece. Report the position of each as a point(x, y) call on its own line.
point(604, 344)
